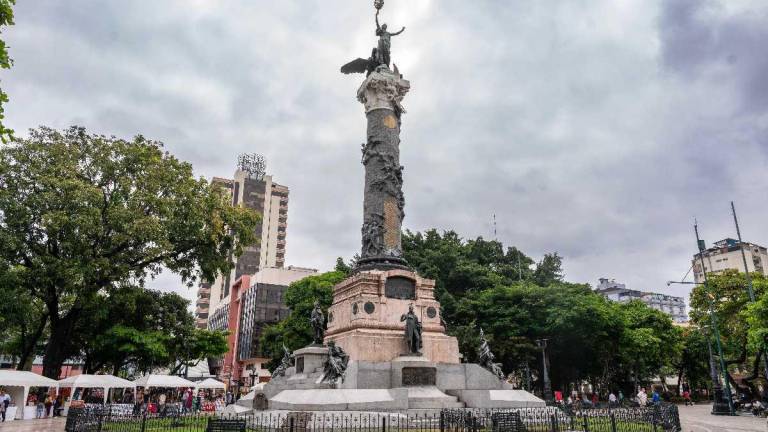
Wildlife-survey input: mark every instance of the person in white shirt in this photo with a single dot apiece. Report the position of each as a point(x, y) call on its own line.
point(612, 400)
point(642, 397)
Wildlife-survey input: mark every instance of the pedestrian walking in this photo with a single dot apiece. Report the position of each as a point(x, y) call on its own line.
point(2, 404)
point(612, 400)
point(687, 398)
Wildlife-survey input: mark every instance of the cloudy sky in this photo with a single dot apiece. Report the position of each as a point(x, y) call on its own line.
point(597, 129)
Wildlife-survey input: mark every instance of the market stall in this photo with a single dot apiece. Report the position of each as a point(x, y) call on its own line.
point(210, 383)
point(155, 391)
point(106, 382)
point(17, 384)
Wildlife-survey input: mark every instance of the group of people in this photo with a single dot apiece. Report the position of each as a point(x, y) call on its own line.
point(47, 405)
point(159, 400)
point(585, 400)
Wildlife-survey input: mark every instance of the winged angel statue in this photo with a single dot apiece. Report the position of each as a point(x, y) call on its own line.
point(380, 56)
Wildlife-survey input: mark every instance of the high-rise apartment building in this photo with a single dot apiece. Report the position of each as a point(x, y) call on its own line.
point(726, 254)
point(254, 302)
point(252, 188)
point(670, 305)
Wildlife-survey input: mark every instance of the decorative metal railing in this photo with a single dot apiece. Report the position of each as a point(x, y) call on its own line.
point(550, 419)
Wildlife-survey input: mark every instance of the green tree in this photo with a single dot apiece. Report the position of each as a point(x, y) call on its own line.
point(80, 214)
point(143, 328)
point(6, 19)
point(295, 330)
point(649, 344)
point(342, 267)
point(23, 319)
point(549, 270)
point(727, 292)
point(693, 363)
point(481, 284)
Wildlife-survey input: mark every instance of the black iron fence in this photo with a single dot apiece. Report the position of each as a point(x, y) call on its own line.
point(661, 418)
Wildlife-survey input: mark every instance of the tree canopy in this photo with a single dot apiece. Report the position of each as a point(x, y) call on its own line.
point(82, 215)
point(740, 323)
point(6, 19)
point(295, 330)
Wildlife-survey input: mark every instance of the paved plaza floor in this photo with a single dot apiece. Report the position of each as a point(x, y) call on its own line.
point(42, 425)
point(698, 419)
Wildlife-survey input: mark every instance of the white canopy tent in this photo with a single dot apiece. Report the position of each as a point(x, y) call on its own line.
point(18, 383)
point(163, 381)
point(210, 383)
point(107, 382)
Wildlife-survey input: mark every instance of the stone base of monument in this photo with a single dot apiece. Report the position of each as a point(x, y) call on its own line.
point(406, 382)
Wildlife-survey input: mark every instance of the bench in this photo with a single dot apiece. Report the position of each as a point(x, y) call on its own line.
point(225, 425)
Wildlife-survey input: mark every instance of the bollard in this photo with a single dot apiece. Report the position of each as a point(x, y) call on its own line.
point(586, 424)
point(290, 423)
point(613, 423)
point(383, 424)
point(553, 419)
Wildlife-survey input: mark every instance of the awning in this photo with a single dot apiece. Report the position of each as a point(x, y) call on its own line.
point(95, 381)
point(210, 383)
point(162, 381)
point(14, 378)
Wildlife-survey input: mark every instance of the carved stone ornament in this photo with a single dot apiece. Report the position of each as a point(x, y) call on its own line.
point(383, 89)
point(373, 235)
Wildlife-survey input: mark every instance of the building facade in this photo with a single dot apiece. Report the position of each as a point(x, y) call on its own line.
point(670, 305)
point(726, 254)
point(253, 302)
point(252, 188)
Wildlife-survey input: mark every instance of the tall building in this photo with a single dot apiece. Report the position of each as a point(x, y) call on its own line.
point(254, 302)
point(618, 292)
point(252, 188)
point(726, 254)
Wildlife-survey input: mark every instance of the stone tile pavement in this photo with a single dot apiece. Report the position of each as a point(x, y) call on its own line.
point(41, 425)
point(697, 418)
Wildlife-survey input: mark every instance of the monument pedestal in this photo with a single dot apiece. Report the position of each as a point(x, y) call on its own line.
point(310, 359)
point(364, 318)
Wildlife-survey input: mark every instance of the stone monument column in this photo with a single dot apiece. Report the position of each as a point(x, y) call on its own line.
point(381, 94)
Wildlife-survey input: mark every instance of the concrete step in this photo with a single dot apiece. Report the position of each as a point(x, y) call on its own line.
point(433, 404)
point(430, 397)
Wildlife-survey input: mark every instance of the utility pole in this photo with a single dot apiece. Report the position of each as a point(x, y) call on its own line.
point(717, 407)
point(542, 343)
point(743, 255)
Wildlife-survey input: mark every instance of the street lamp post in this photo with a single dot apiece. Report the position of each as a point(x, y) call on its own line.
point(542, 343)
point(717, 408)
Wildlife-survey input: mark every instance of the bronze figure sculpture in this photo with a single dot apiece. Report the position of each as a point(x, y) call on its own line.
point(486, 357)
point(380, 56)
point(412, 331)
point(285, 363)
point(317, 319)
point(336, 363)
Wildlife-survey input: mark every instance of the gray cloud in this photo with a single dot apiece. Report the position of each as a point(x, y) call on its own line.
point(595, 129)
